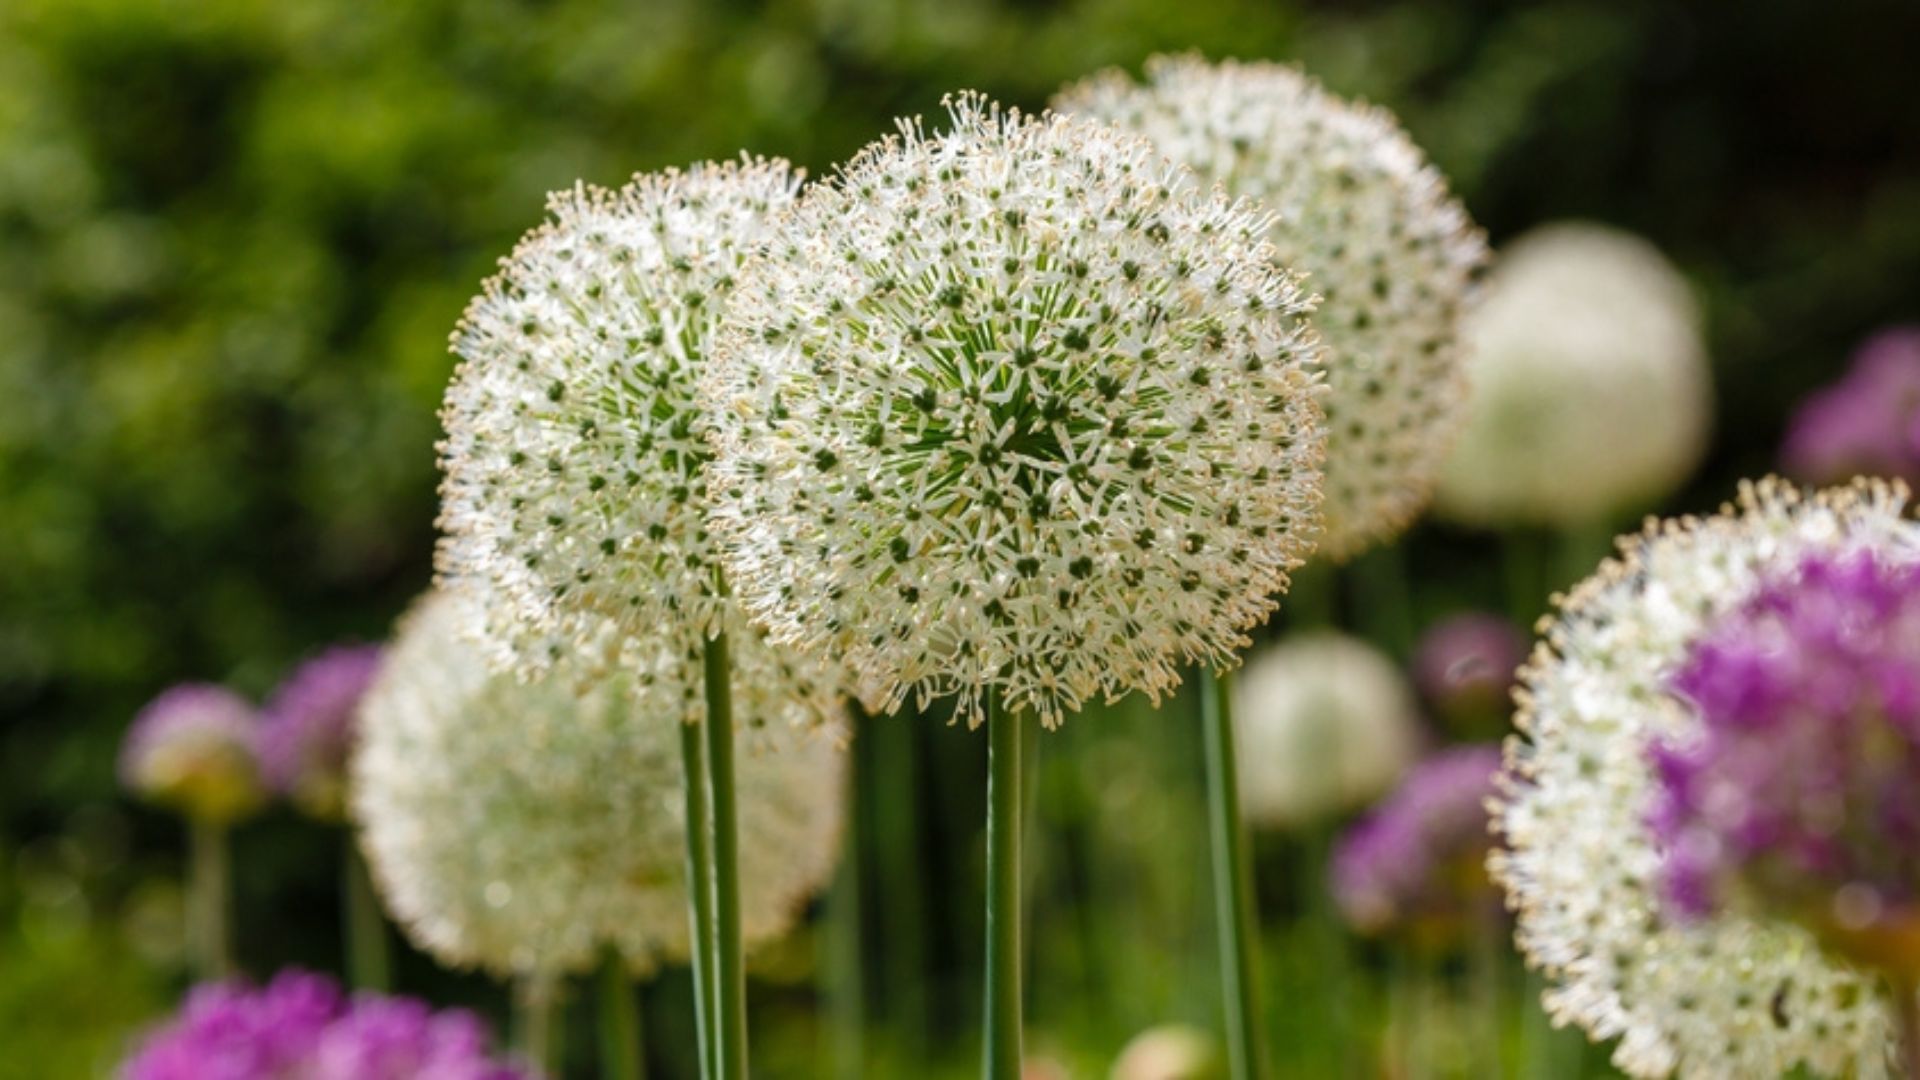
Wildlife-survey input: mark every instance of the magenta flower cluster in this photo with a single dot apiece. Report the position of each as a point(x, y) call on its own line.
point(1418, 858)
point(1801, 789)
point(302, 1027)
point(1868, 423)
point(309, 725)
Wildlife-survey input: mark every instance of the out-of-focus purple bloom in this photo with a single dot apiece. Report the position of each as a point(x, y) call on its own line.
point(1868, 423)
point(195, 748)
point(301, 1027)
point(310, 721)
point(1417, 861)
point(1801, 791)
point(1464, 667)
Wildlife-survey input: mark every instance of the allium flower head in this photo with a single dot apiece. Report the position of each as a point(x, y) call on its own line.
point(1325, 724)
point(1370, 222)
point(194, 749)
point(1417, 862)
point(520, 827)
point(1868, 423)
point(1465, 666)
point(1590, 390)
point(309, 724)
point(1007, 407)
point(1723, 996)
point(301, 1027)
point(575, 450)
point(1799, 794)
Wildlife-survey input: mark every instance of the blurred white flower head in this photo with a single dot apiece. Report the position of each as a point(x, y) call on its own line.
point(1590, 390)
point(1370, 222)
point(521, 827)
point(1722, 996)
point(1325, 724)
point(1007, 407)
point(575, 451)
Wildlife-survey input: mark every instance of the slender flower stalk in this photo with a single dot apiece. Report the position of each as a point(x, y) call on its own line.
point(1232, 885)
point(210, 898)
point(1005, 797)
point(699, 848)
point(369, 960)
point(728, 969)
point(539, 1023)
point(622, 1054)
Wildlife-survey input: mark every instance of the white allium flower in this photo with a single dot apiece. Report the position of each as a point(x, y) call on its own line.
point(1390, 252)
point(1590, 389)
point(575, 447)
point(1325, 723)
point(1005, 408)
point(1726, 996)
point(520, 827)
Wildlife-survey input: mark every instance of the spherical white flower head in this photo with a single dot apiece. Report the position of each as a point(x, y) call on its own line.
point(575, 448)
point(1324, 723)
point(1004, 408)
point(1390, 252)
point(1725, 996)
point(1590, 389)
point(520, 827)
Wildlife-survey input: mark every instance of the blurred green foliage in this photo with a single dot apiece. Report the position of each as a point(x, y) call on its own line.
point(234, 235)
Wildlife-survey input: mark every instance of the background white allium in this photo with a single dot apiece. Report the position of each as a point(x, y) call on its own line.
point(1727, 996)
point(1005, 407)
point(575, 449)
point(520, 827)
point(1589, 383)
point(1362, 213)
point(1324, 723)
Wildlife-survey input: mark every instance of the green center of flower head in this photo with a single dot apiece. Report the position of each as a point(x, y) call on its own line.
point(1003, 405)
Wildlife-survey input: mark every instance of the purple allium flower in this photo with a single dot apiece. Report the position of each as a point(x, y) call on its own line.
point(1465, 668)
point(1417, 861)
point(1801, 791)
point(301, 1027)
point(194, 748)
point(1868, 423)
point(309, 727)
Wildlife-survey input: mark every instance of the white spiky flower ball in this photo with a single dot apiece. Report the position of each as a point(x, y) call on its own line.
point(1590, 387)
point(1370, 222)
point(575, 447)
point(522, 826)
point(1006, 408)
point(1727, 995)
point(1324, 724)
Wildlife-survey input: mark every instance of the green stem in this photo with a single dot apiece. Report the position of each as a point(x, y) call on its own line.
point(846, 994)
point(209, 899)
point(536, 1005)
point(699, 826)
point(1329, 946)
point(729, 966)
point(368, 963)
point(1232, 884)
point(620, 1054)
point(1001, 1059)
